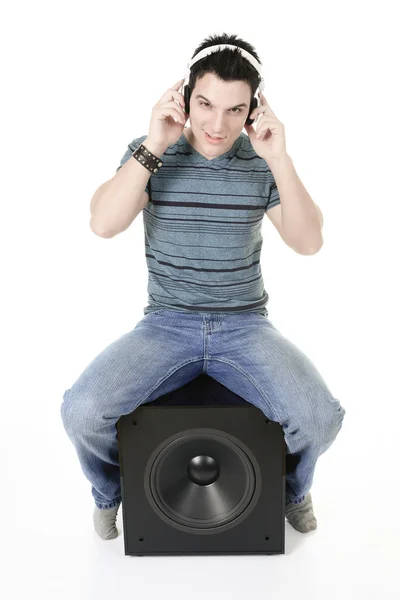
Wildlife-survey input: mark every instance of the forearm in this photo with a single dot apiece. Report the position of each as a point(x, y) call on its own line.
point(301, 217)
point(117, 202)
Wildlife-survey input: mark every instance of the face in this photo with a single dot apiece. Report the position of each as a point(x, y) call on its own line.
point(221, 111)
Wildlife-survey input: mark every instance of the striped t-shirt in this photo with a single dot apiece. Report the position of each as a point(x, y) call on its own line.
point(202, 229)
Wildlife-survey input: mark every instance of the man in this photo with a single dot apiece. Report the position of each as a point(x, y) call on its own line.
point(203, 200)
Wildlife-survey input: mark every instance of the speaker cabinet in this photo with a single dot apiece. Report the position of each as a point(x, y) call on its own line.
point(202, 472)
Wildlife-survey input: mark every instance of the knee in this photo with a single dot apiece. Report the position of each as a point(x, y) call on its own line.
point(76, 413)
point(330, 422)
point(69, 415)
point(318, 427)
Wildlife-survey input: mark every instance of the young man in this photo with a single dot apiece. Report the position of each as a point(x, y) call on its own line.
point(203, 202)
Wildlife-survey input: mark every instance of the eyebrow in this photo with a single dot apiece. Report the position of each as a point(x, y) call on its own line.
point(237, 105)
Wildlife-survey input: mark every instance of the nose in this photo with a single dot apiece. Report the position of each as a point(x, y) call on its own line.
point(218, 125)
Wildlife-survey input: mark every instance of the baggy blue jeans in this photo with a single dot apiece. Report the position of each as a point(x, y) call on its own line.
point(166, 350)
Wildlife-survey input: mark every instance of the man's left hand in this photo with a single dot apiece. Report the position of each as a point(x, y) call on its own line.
point(269, 140)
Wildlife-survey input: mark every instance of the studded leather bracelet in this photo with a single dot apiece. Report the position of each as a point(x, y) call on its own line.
point(147, 159)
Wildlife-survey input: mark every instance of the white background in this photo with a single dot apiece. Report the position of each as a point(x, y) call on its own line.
point(79, 81)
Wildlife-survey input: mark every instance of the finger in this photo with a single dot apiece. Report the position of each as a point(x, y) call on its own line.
point(261, 111)
point(268, 121)
point(170, 111)
point(178, 84)
point(254, 115)
point(249, 128)
point(177, 107)
point(180, 98)
point(263, 102)
point(260, 133)
point(267, 117)
point(173, 94)
point(260, 119)
point(257, 114)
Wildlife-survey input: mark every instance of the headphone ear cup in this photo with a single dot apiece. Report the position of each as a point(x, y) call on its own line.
point(186, 95)
point(253, 105)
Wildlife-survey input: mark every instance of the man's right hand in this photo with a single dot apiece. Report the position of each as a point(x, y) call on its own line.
point(168, 119)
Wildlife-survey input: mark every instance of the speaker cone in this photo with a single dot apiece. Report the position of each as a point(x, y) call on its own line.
point(201, 480)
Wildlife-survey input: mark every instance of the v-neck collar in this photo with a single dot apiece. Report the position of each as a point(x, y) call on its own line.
point(222, 158)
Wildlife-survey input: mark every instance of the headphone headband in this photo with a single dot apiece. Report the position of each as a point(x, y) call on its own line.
point(211, 49)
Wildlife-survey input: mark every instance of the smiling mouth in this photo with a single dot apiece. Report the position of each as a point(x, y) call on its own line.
point(214, 137)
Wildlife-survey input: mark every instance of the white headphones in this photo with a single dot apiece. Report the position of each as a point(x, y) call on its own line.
point(212, 49)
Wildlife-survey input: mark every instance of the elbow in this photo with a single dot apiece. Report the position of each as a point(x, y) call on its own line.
point(307, 251)
point(313, 250)
point(100, 232)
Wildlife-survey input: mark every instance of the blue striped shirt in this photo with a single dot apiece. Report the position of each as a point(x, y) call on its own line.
point(202, 229)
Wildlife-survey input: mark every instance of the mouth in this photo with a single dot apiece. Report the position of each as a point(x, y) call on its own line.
point(212, 140)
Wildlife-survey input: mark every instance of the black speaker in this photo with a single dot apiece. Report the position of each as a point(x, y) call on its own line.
point(202, 472)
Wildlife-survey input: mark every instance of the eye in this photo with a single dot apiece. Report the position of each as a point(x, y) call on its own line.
point(208, 104)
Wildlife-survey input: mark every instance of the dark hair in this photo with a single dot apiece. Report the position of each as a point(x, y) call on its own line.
point(228, 64)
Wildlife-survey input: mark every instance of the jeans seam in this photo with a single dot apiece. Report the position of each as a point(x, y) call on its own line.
point(169, 373)
point(253, 381)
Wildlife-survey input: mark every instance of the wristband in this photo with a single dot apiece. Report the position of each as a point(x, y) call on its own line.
point(147, 159)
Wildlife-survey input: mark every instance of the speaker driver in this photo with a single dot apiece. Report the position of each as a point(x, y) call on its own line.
point(201, 479)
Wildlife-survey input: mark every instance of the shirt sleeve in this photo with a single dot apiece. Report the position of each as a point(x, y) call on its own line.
point(132, 146)
point(272, 192)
